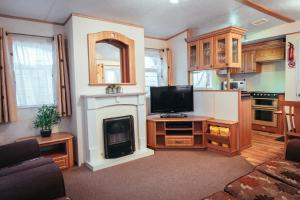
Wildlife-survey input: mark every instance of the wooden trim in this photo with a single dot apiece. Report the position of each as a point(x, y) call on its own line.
point(102, 19)
point(169, 38)
point(155, 38)
point(128, 62)
point(31, 19)
point(170, 67)
point(260, 7)
point(232, 29)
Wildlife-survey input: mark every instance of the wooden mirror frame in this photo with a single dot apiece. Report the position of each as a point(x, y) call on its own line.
point(127, 56)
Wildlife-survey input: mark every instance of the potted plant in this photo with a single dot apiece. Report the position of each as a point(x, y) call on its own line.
point(47, 116)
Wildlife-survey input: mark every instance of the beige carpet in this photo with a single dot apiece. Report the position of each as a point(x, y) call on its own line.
point(168, 175)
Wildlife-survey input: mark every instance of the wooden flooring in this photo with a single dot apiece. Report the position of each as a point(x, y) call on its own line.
point(264, 148)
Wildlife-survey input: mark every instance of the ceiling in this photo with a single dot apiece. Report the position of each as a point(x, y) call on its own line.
point(159, 17)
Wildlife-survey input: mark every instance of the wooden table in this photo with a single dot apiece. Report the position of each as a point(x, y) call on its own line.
point(59, 146)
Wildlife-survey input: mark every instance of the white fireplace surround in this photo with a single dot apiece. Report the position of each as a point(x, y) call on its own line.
point(98, 107)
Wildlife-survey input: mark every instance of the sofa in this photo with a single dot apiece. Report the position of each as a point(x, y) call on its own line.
point(25, 175)
point(272, 180)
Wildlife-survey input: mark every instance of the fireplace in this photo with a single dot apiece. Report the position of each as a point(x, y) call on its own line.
point(118, 136)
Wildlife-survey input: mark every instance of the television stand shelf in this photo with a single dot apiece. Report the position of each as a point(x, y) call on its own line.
point(168, 133)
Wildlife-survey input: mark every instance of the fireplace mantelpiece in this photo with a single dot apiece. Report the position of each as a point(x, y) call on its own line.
point(98, 107)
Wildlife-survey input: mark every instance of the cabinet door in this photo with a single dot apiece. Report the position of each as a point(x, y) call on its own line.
point(235, 46)
point(249, 63)
point(206, 53)
point(221, 51)
point(193, 55)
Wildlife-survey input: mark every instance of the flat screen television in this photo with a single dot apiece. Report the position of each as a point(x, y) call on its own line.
point(172, 99)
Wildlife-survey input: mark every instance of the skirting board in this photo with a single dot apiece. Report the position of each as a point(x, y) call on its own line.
point(112, 162)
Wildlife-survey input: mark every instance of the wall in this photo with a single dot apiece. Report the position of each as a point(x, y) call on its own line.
point(155, 43)
point(77, 30)
point(178, 46)
point(23, 127)
point(292, 75)
point(271, 79)
point(211, 103)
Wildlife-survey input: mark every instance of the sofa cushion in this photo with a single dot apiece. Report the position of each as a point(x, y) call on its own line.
point(283, 170)
point(293, 149)
point(28, 164)
point(258, 186)
point(219, 196)
point(41, 183)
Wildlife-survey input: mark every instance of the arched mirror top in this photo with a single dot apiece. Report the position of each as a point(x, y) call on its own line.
point(111, 58)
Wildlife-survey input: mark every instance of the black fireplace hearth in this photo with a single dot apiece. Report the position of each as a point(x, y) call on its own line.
point(118, 136)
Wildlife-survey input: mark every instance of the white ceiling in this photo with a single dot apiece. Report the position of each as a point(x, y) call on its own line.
point(159, 17)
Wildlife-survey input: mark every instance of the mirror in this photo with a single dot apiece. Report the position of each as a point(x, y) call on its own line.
point(111, 59)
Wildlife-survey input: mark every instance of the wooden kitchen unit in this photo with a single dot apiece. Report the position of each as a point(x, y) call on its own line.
point(216, 50)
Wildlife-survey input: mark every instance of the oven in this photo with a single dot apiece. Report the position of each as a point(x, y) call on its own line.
point(264, 116)
point(264, 107)
point(268, 103)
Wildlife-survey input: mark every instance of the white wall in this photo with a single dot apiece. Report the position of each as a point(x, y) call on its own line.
point(217, 104)
point(23, 127)
point(271, 78)
point(155, 43)
point(292, 75)
point(178, 46)
point(77, 30)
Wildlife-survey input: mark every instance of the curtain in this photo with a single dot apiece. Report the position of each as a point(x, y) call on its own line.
point(33, 69)
point(170, 67)
point(63, 82)
point(8, 106)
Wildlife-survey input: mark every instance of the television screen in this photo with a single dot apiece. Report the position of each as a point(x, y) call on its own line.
point(172, 99)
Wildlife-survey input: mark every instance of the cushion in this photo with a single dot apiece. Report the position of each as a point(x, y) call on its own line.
point(219, 196)
point(258, 186)
point(283, 170)
point(293, 150)
point(28, 164)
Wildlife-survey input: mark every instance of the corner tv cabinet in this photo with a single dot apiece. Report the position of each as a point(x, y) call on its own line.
point(168, 133)
point(192, 132)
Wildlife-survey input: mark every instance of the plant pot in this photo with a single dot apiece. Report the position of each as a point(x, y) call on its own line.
point(46, 133)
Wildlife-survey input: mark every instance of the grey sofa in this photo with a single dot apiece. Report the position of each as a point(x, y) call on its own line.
point(25, 175)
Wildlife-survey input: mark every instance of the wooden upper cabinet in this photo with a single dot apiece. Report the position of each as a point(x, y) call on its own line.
point(221, 52)
point(272, 54)
point(206, 53)
point(249, 64)
point(193, 55)
point(218, 49)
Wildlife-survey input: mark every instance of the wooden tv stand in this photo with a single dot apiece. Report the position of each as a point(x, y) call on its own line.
point(164, 133)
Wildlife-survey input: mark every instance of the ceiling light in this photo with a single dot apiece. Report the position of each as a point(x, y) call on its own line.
point(259, 22)
point(174, 1)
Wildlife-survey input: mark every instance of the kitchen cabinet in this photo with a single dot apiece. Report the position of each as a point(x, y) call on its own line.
point(217, 50)
point(249, 64)
point(193, 55)
point(206, 53)
point(228, 51)
point(270, 54)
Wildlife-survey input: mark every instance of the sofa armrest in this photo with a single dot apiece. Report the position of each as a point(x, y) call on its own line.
point(17, 152)
point(293, 150)
point(44, 182)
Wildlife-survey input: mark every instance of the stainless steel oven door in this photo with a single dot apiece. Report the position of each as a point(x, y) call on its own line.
point(265, 102)
point(263, 116)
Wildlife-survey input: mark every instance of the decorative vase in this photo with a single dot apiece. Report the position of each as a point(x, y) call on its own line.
point(46, 133)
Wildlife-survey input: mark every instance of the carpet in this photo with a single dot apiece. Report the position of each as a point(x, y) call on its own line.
point(166, 175)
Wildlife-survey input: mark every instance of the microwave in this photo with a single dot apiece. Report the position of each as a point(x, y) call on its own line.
point(235, 85)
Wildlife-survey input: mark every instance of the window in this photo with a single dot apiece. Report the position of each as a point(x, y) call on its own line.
point(202, 79)
point(155, 69)
point(33, 67)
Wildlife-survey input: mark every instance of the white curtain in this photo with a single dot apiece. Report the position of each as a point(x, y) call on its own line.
point(155, 69)
point(33, 66)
